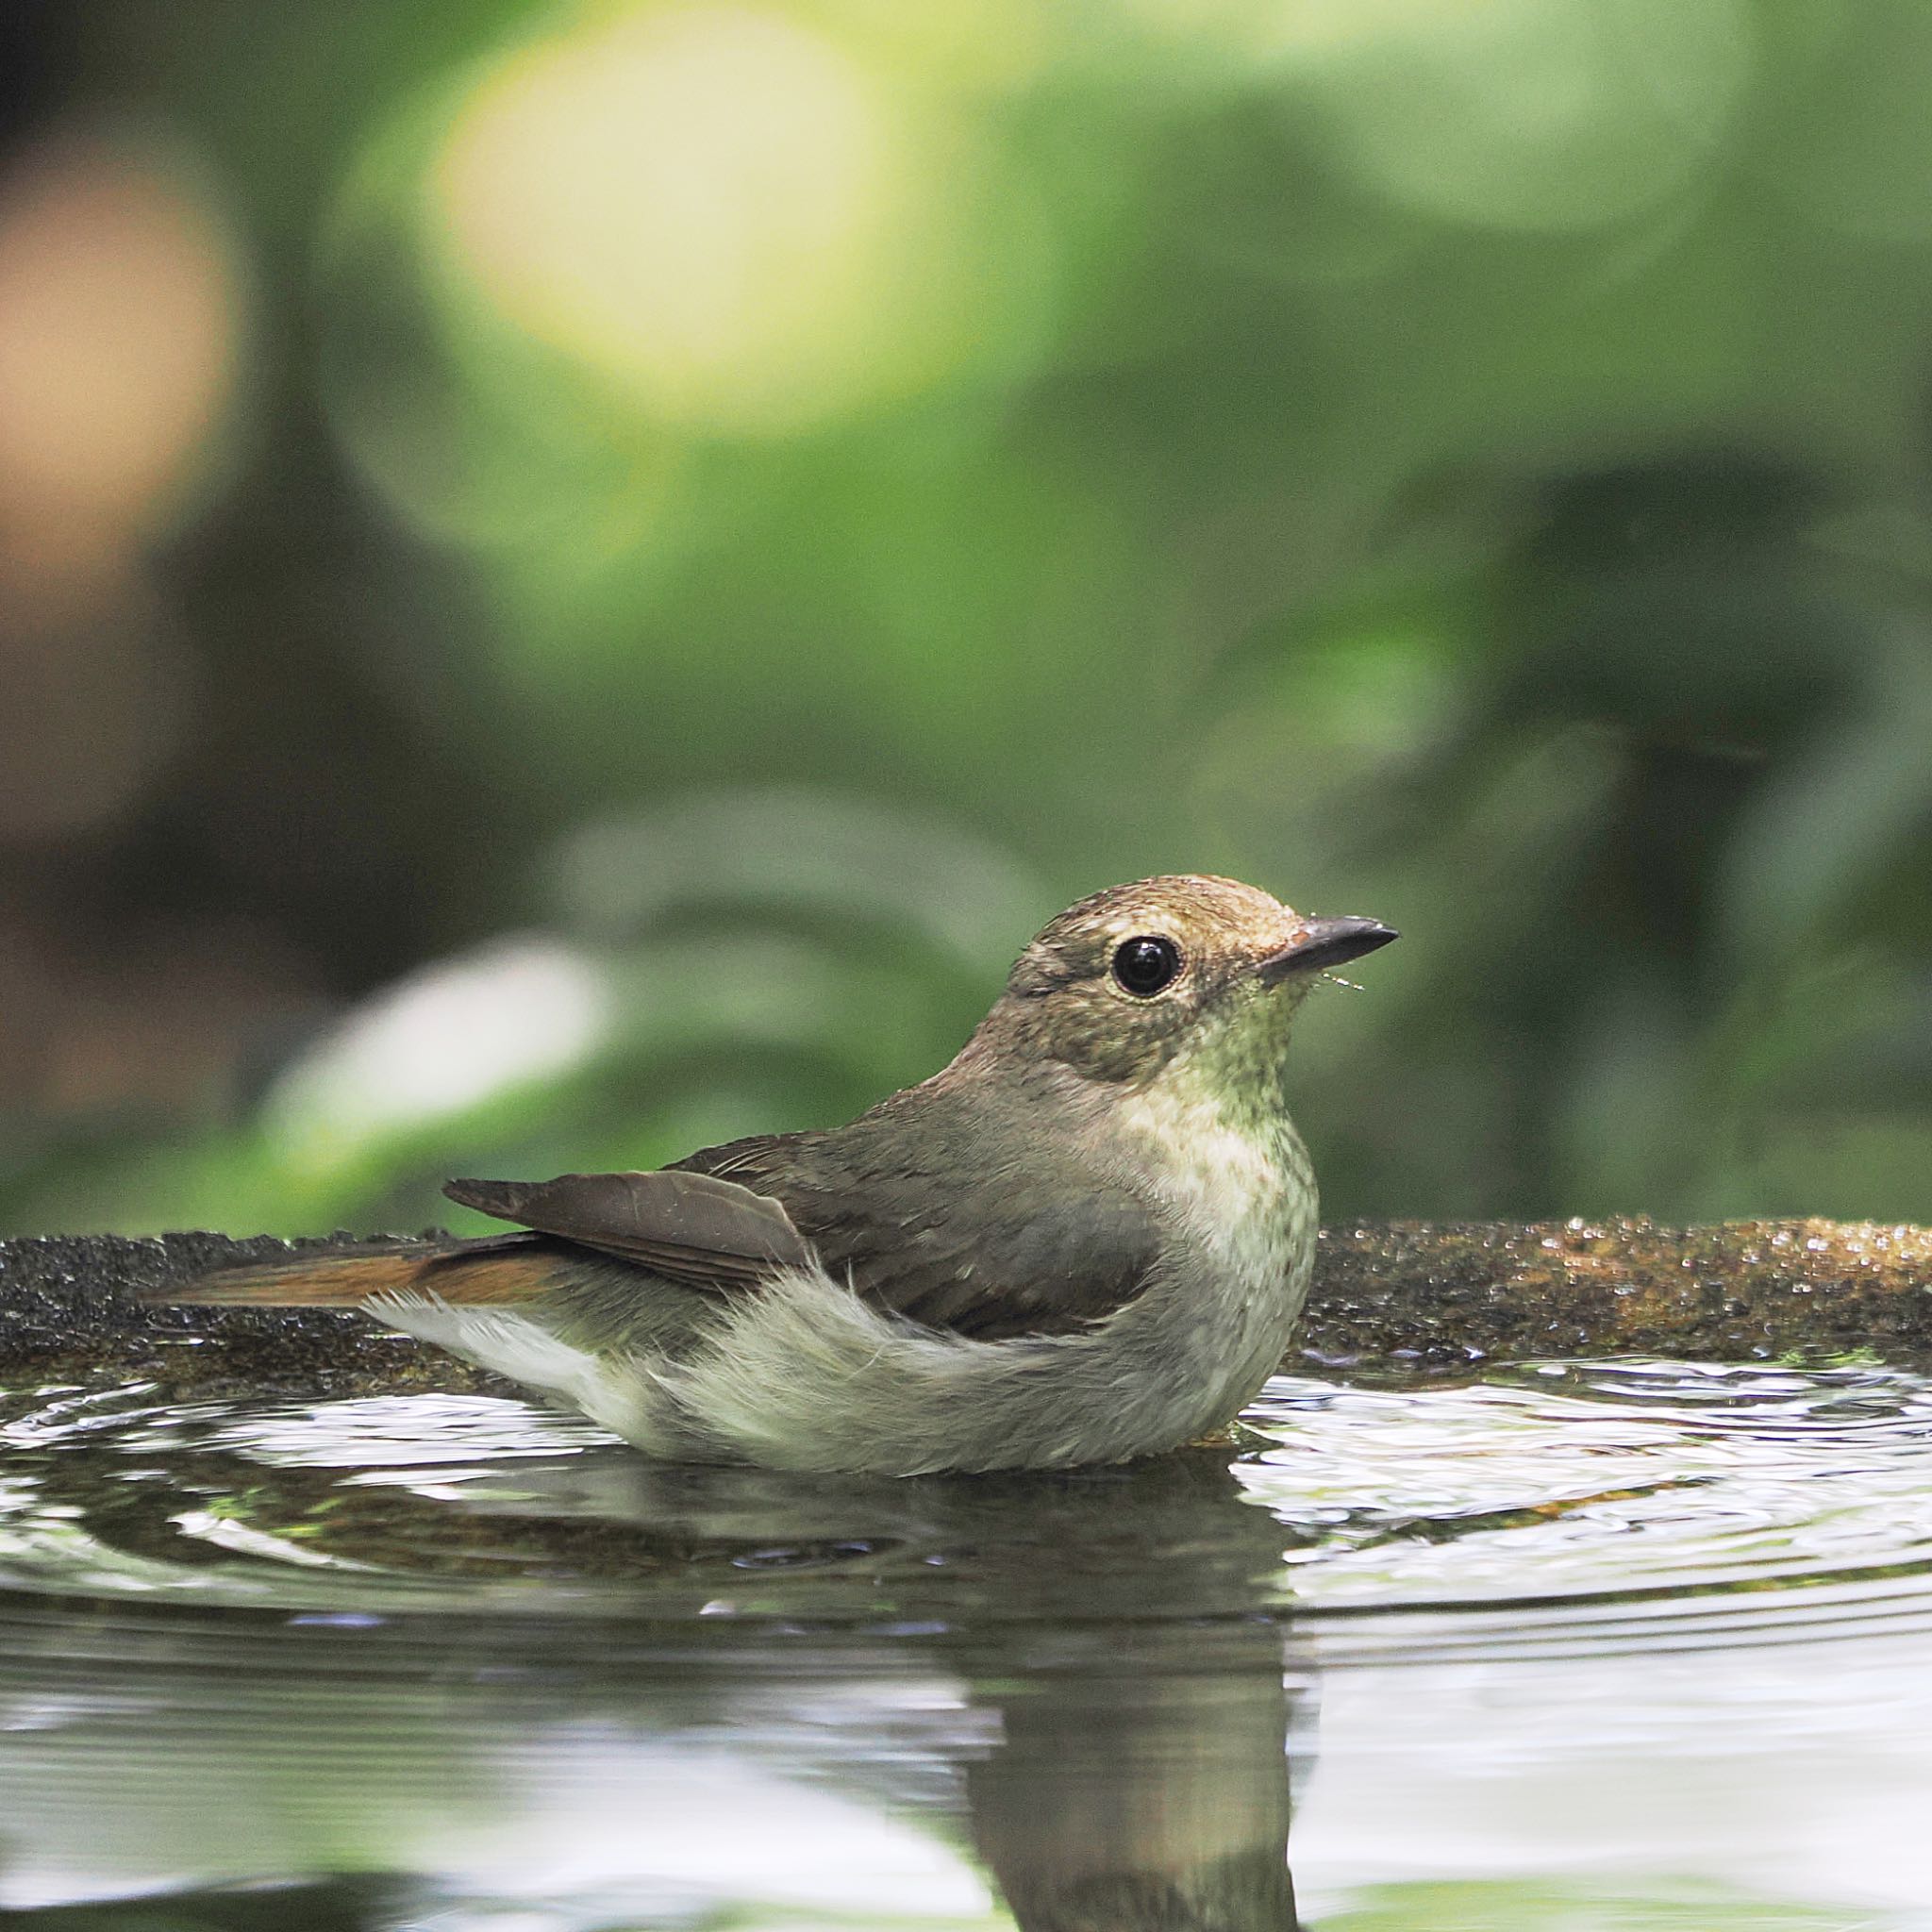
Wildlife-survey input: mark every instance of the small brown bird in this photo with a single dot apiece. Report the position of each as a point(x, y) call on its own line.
point(1085, 1239)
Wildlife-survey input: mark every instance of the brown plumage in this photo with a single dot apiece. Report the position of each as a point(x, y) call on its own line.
point(941, 1234)
point(1108, 1159)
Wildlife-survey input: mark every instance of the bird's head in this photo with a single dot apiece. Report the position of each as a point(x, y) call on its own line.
point(1187, 975)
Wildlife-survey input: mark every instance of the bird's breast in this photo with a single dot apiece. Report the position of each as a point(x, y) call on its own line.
point(1242, 1191)
point(1239, 1199)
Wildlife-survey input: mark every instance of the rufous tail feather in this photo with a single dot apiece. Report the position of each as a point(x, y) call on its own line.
point(517, 1268)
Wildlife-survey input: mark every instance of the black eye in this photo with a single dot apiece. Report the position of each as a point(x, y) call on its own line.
point(1143, 966)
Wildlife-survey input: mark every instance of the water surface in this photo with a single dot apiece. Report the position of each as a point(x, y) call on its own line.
point(1595, 1646)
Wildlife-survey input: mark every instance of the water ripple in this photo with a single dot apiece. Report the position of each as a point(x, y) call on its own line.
point(1550, 1509)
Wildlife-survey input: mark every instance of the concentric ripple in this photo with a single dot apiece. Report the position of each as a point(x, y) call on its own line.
point(1596, 1505)
point(1553, 1508)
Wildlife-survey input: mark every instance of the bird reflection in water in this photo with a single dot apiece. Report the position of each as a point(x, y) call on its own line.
point(1151, 1796)
point(1124, 1628)
point(1076, 1678)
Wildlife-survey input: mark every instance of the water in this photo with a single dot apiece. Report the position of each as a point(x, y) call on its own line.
point(1592, 1647)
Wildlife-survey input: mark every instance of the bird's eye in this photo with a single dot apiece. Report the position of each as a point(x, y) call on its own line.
point(1143, 966)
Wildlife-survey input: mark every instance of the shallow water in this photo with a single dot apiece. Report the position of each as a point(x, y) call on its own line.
point(1598, 1646)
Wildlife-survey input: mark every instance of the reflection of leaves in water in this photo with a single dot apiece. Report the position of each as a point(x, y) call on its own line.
point(1530, 1905)
point(1120, 1632)
point(1648, 1483)
point(358, 1903)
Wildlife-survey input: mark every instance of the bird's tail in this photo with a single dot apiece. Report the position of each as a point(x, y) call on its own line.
point(497, 1270)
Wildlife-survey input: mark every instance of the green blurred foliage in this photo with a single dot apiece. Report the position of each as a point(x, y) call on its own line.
point(752, 509)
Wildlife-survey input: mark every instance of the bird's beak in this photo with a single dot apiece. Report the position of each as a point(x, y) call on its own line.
point(1324, 943)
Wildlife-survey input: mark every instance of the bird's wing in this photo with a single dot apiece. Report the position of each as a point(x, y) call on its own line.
point(1052, 1269)
point(941, 1237)
point(695, 1228)
point(955, 1245)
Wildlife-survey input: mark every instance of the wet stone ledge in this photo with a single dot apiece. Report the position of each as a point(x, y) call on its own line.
point(1739, 1291)
point(1387, 1294)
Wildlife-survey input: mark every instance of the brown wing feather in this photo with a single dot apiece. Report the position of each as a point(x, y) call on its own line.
point(922, 1224)
point(693, 1229)
point(1030, 1247)
point(927, 1224)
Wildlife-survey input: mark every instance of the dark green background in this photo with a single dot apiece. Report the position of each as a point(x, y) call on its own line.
point(1466, 464)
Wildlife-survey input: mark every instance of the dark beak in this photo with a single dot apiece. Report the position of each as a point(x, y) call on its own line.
point(1326, 942)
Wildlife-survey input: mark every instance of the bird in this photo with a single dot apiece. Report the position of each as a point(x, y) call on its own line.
point(1084, 1241)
